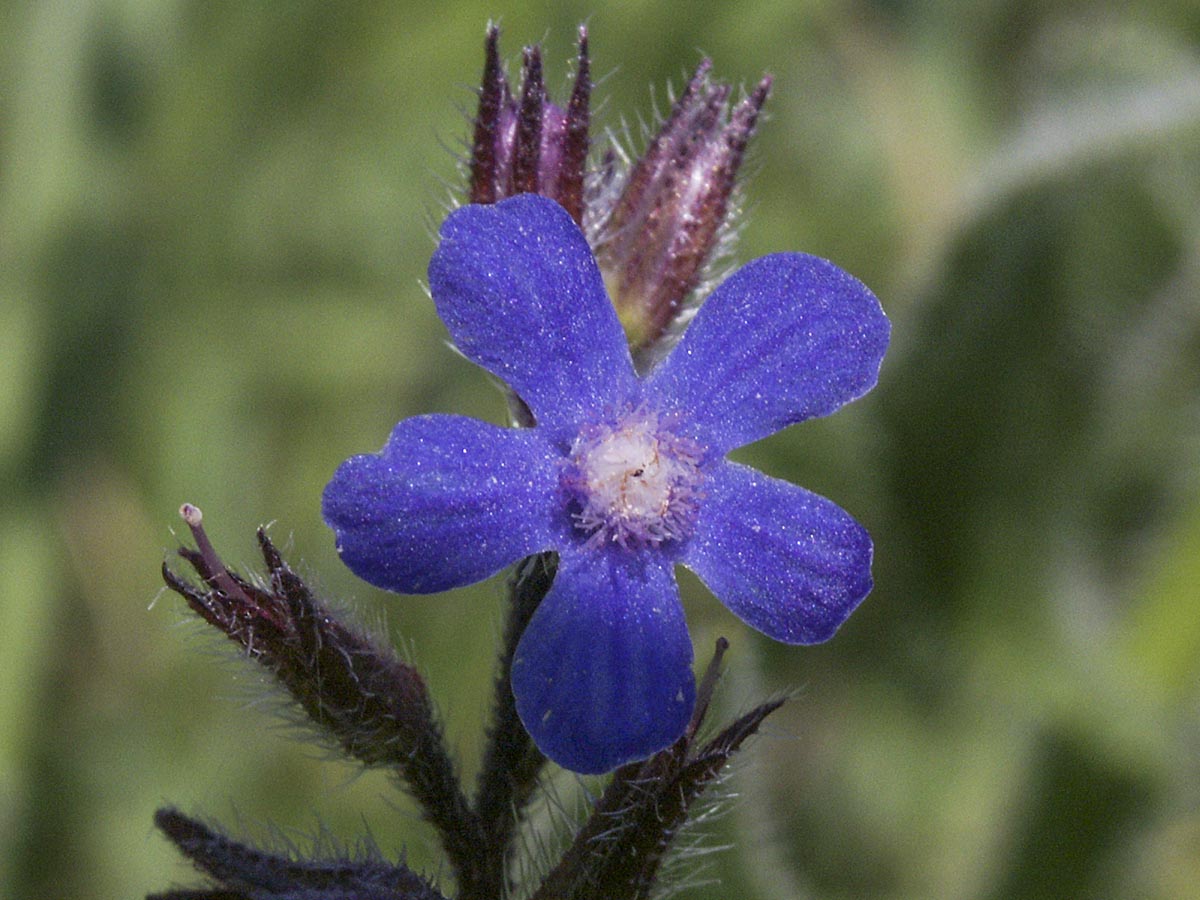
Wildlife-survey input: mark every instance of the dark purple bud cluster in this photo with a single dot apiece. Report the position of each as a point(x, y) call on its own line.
point(667, 220)
point(526, 144)
point(372, 704)
point(357, 693)
point(655, 227)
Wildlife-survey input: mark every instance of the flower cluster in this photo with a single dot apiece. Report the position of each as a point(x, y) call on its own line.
point(565, 284)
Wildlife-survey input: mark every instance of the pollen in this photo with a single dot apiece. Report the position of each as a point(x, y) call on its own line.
point(634, 482)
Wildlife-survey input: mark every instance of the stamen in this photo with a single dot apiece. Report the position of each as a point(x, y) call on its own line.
point(218, 576)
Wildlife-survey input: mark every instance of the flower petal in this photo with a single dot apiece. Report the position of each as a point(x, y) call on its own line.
point(520, 291)
point(449, 501)
point(603, 673)
point(785, 338)
point(784, 560)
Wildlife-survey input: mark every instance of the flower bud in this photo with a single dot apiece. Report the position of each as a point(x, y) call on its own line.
point(666, 221)
point(527, 144)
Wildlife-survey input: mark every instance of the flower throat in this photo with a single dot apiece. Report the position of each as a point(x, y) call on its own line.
point(635, 483)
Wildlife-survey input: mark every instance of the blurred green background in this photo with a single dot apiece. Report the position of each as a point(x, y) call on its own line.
point(214, 223)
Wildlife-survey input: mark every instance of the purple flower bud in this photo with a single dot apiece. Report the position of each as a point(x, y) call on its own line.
point(526, 144)
point(667, 220)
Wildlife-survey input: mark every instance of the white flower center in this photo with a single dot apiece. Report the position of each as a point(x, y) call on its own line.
point(634, 482)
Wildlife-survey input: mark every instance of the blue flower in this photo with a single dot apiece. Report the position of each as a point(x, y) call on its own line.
point(624, 476)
